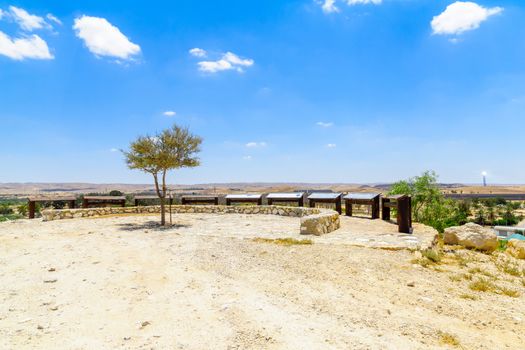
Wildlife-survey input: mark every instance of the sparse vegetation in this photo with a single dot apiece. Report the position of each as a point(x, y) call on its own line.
point(482, 285)
point(510, 292)
point(448, 339)
point(468, 296)
point(284, 241)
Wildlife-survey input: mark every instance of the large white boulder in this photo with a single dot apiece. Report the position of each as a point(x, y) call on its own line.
point(516, 248)
point(472, 236)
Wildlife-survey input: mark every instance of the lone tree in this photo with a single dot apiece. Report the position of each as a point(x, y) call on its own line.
point(172, 148)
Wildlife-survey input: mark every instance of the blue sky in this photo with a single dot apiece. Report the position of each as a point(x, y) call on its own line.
point(300, 91)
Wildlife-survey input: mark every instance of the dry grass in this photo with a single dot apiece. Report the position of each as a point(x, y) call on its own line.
point(510, 268)
point(482, 285)
point(510, 292)
point(448, 339)
point(284, 241)
point(468, 296)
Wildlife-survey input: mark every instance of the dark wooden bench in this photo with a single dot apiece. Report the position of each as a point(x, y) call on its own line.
point(88, 201)
point(31, 203)
point(371, 199)
point(139, 199)
point(244, 198)
point(292, 197)
point(322, 197)
point(213, 200)
point(403, 205)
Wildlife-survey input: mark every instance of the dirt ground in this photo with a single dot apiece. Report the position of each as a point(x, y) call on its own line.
point(123, 283)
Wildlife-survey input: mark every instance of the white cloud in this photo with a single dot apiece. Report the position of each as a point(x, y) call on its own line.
point(247, 157)
point(33, 47)
point(104, 39)
point(357, 2)
point(52, 18)
point(256, 144)
point(228, 61)
point(324, 124)
point(113, 150)
point(198, 52)
point(2, 13)
point(462, 16)
point(331, 145)
point(169, 113)
point(328, 6)
point(25, 20)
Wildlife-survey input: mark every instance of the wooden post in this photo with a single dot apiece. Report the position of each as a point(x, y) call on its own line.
point(228, 201)
point(270, 201)
point(259, 201)
point(31, 206)
point(136, 202)
point(348, 207)
point(123, 203)
point(301, 201)
point(216, 200)
point(385, 208)
point(403, 214)
point(375, 208)
point(338, 204)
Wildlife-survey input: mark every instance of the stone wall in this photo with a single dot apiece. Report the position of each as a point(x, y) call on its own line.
point(314, 221)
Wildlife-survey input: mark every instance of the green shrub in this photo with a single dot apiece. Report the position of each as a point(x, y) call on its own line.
point(6, 209)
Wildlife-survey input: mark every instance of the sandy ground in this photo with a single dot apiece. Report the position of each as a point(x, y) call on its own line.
point(123, 283)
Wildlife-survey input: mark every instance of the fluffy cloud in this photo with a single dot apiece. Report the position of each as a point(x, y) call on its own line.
point(462, 16)
point(33, 47)
point(228, 61)
point(1, 13)
point(331, 145)
point(256, 144)
point(169, 113)
point(198, 52)
point(324, 124)
point(247, 157)
point(25, 20)
point(104, 39)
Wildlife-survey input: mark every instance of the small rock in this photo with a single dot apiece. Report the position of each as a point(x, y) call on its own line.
point(51, 269)
point(39, 327)
point(411, 284)
point(50, 281)
point(144, 324)
point(126, 338)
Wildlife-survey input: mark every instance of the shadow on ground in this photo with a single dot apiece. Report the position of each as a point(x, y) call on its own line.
point(150, 225)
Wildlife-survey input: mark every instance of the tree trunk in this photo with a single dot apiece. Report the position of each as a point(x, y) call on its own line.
point(161, 197)
point(162, 212)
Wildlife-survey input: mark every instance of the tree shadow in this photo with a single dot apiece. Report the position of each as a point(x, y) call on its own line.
point(150, 225)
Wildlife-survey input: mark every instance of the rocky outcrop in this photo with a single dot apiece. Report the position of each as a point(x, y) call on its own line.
point(471, 236)
point(516, 248)
point(315, 221)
